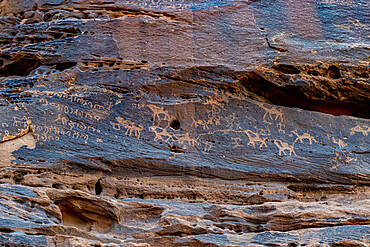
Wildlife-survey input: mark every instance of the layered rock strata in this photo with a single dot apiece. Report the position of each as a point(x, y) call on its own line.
point(184, 123)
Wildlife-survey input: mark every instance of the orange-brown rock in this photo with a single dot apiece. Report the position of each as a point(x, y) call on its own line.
point(184, 123)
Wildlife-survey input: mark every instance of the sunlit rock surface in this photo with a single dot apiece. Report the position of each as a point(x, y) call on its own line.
point(184, 123)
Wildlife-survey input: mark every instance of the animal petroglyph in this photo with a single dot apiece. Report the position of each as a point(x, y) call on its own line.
point(161, 134)
point(271, 112)
point(361, 129)
point(202, 123)
point(131, 128)
point(216, 99)
point(341, 144)
point(282, 146)
point(159, 112)
point(304, 136)
point(186, 138)
point(255, 138)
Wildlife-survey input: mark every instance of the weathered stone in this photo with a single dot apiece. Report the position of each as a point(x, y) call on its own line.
point(184, 123)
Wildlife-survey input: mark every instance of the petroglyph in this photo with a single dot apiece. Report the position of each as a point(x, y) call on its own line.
point(71, 110)
point(213, 119)
point(282, 146)
point(265, 131)
point(215, 101)
point(131, 128)
point(116, 126)
point(159, 111)
point(304, 136)
point(252, 119)
point(255, 138)
point(21, 122)
point(233, 122)
point(52, 133)
point(72, 124)
point(77, 99)
point(236, 141)
point(161, 134)
point(207, 146)
point(281, 126)
point(361, 129)
point(201, 123)
point(274, 113)
point(186, 138)
point(341, 144)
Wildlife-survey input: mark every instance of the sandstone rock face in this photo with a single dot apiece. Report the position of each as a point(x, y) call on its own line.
point(184, 123)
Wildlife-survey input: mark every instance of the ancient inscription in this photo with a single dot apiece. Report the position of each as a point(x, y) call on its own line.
point(75, 125)
point(53, 133)
point(78, 112)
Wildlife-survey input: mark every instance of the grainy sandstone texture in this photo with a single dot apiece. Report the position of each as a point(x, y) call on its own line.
point(184, 123)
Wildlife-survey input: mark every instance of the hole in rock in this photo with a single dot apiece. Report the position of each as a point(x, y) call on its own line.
point(313, 72)
point(175, 124)
point(22, 66)
point(98, 188)
point(333, 72)
point(65, 65)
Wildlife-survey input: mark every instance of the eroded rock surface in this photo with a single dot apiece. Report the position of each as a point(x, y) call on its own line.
point(184, 123)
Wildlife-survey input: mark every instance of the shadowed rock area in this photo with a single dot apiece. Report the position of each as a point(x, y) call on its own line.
point(184, 123)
